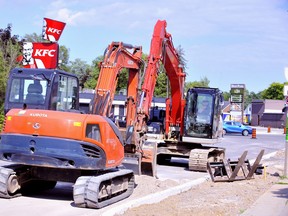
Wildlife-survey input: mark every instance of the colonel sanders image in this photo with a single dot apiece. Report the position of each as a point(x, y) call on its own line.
point(27, 54)
point(45, 35)
point(28, 60)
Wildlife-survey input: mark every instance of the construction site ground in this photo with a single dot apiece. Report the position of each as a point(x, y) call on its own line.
point(228, 198)
point(165, 196)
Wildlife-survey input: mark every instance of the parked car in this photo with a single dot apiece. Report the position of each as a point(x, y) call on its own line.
point(236, 127)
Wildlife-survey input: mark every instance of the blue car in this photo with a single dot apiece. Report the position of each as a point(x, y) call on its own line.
point(236, 127)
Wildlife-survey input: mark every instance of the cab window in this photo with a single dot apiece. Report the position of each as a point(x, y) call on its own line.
point(93, 132)
point(24, 90)
point(64, 93)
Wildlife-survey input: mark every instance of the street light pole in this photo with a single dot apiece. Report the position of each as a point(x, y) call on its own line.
point(285, 91)
point(286, 150)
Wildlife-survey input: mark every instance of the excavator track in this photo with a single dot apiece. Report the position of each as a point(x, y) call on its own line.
point(100, 191)
point(9, 186)
point(199, 157)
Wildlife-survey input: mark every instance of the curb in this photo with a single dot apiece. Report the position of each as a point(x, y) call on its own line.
point(156, 197)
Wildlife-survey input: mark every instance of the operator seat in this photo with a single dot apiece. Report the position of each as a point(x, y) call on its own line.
point(34, 95)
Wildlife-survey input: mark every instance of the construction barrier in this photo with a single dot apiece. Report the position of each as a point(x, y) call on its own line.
point(284, 130)
point(253, 133)
point(269, 129)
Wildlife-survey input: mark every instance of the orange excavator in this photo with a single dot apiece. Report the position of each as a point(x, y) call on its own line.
point(86, 149)
point(185, 128)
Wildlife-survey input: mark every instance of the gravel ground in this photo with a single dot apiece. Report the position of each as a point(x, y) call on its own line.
point(209, 198)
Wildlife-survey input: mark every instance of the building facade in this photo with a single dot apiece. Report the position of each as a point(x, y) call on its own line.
point(268, 113)
point(259, 113)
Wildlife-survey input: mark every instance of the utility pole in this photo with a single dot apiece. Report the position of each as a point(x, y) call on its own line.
point(286, 145)
point(285, 92)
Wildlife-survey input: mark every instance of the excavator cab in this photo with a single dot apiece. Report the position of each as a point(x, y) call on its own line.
point(46, 89)
point(202, 119)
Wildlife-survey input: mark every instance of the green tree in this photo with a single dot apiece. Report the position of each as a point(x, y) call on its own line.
point(249, 96)
point(3, 80)
point(64, 58)
point(181, 54)
point(204, 82)
point(81, 69)
point(9, 51)
point(274, 91)
point(92, 76)
point(10, 46)
point(33, 37)
point(161, 85)
point(162, 79)
point(226, 96)
point(122, 80)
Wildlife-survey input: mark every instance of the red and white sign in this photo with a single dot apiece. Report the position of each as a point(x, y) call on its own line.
point(52, 29)
point(40, 55)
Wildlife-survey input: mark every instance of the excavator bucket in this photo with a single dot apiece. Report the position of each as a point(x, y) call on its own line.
point(133, 162)
point(148, 163)
point(145, 163)
point(227, 170)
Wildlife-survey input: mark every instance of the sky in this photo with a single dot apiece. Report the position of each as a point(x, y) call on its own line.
point(226, 41)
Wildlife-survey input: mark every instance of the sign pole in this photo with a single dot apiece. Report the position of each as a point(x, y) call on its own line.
point(237, 92)
point(286, 144)
point(286, 157)
point(285, 91)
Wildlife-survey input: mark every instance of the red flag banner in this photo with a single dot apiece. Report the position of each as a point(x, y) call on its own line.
point(52, 29)
point(40, 55)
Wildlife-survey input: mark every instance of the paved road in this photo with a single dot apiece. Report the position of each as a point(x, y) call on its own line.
point(59, 201)
point(235, 144)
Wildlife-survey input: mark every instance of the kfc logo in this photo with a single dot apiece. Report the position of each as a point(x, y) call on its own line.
point(45, 52)
point(52, 29)
point(40, 55)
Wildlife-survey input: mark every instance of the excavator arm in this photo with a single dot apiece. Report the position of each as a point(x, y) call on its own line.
point(117, 57)
point(162, 51)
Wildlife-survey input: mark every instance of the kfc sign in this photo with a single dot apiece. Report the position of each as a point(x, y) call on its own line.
point(40, 55)
point(52, 29)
